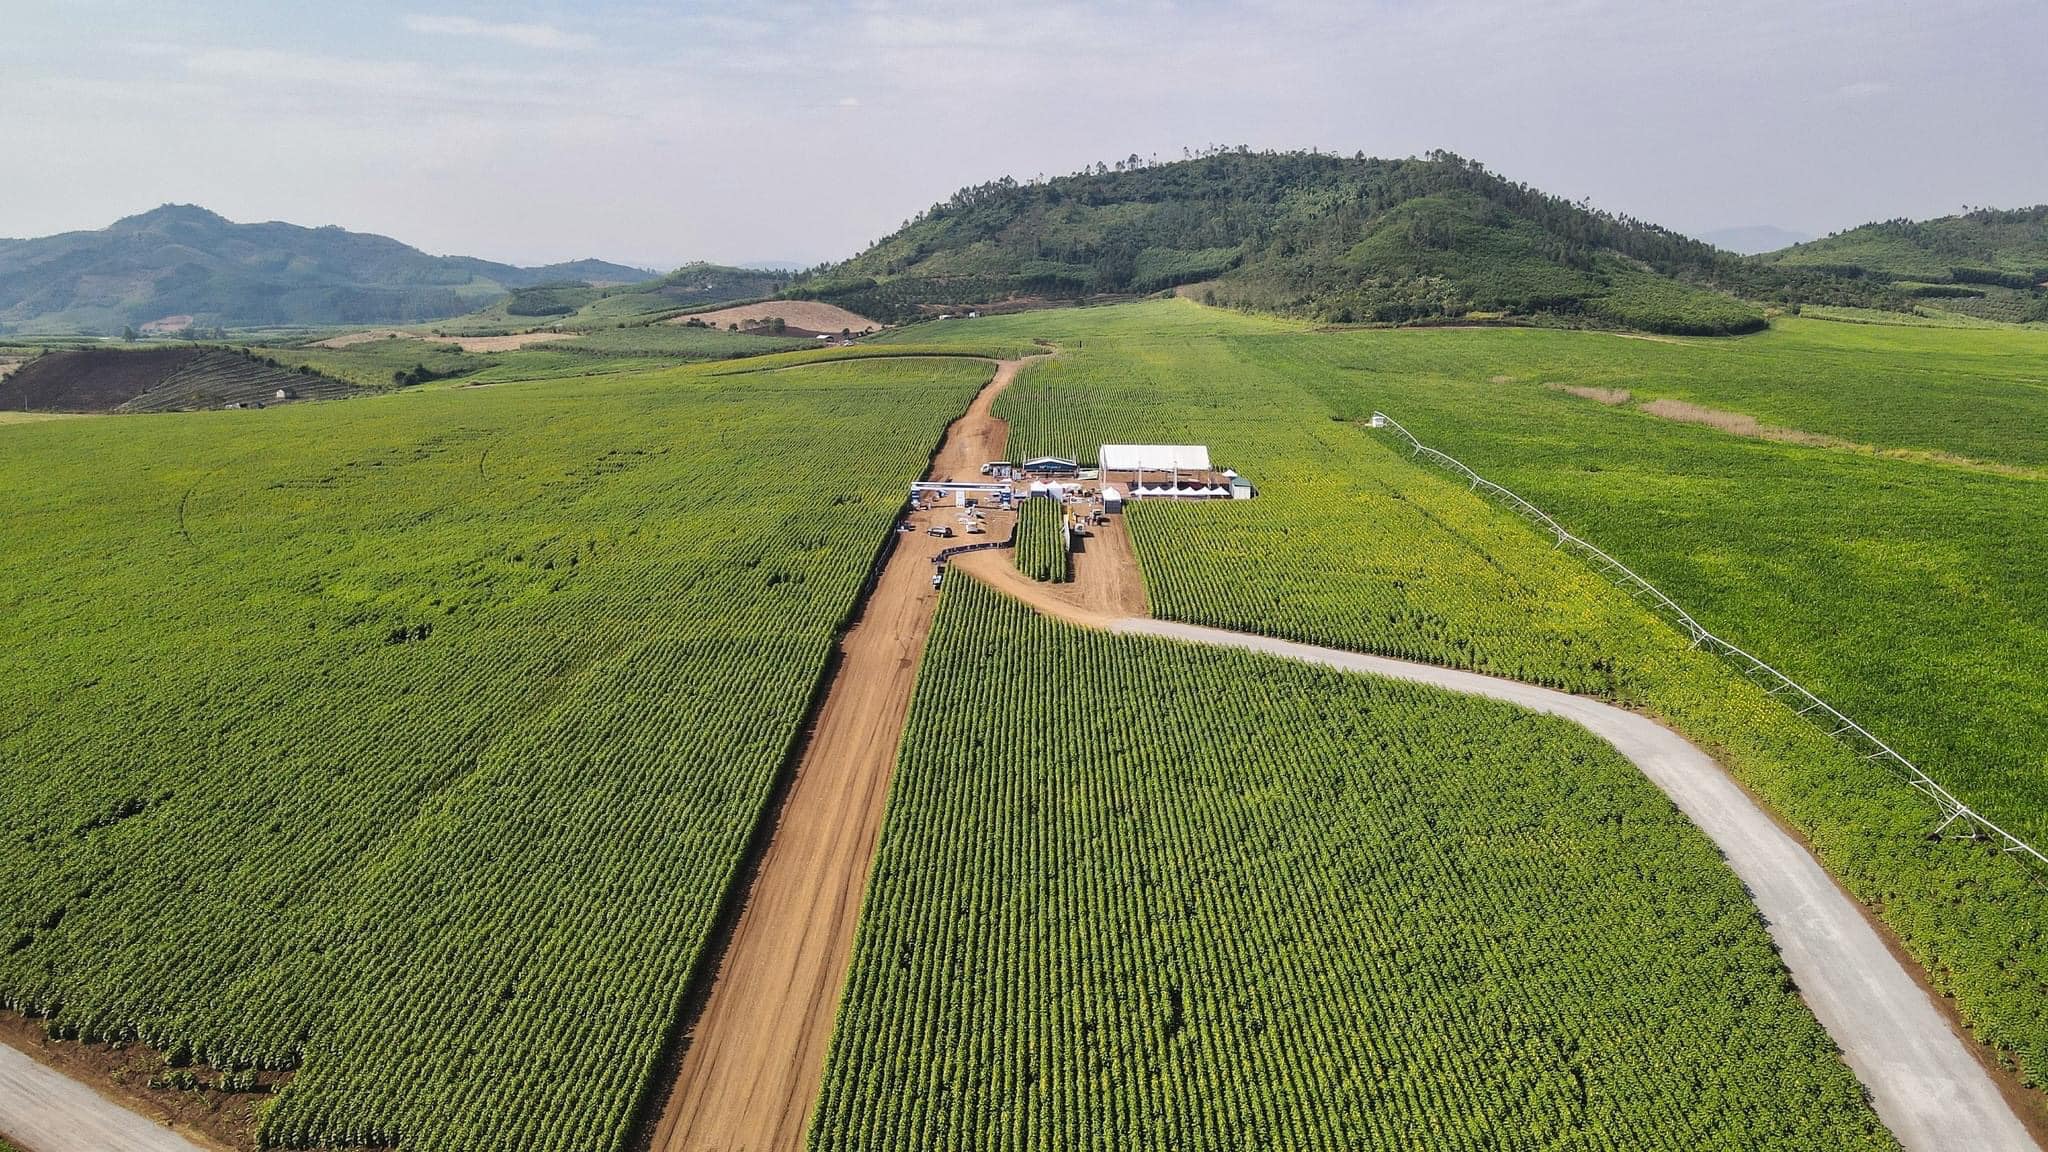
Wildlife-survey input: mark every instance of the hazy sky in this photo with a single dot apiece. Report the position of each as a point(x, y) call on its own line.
point(656, 133)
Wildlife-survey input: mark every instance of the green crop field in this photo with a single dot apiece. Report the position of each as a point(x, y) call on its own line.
point(676, 340)
point(1902, 588)
point(607, 351)
point(378, 363)
point(1041, 542)
point(1228, 901)
point(412, 742)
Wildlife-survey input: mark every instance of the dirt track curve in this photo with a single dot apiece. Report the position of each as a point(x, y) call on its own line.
point(756, 1056)
point(43, 1110)
point(1923, 1078)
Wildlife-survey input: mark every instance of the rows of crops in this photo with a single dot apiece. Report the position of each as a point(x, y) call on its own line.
point(1352, 545)
point(1041, 547)
point(413, 742)
point(1229, 901)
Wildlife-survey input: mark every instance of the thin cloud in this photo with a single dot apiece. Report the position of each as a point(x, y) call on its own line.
point(1863, 90)
point(524, 35)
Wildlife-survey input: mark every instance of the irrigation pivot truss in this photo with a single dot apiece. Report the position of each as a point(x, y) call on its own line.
point(1954, 813)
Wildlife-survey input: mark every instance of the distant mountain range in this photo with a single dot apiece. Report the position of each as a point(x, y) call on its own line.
point(1341, 239)
point(1753, 239)
point(1344, 239)
point(182, 264)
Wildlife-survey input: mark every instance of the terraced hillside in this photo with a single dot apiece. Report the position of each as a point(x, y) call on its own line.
point(181, 378)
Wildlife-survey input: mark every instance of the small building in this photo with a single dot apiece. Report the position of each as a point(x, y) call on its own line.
point(286, 394)
point(1051, 466)
point(1241, 488)
point(1112, 500)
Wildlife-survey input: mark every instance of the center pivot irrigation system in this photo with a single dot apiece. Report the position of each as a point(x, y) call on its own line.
point(1954, 813)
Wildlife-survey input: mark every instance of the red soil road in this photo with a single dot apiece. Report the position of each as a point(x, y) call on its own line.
point(755, 1060)
point(1106, 586)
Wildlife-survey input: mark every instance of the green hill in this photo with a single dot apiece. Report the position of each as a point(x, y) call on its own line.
point(185, 264)
point(1990, 262)
point(1316, 235)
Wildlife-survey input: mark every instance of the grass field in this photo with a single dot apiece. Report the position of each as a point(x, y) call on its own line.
point(604, 351)
point(1900, 588)
point(412, 742)
point(38, 417)
point(375, 363)
point(677, 340)
point(1225, 900)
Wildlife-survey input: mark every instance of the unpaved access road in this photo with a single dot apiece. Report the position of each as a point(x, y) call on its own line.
point(43, 1110)
point(756, 1057)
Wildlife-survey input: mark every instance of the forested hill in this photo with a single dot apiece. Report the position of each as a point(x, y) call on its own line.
point(1987, 246)
point(184, 261)
point(1317, 235)
point(1987, 263)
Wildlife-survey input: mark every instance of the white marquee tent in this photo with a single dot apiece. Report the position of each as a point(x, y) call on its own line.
point(1153, 458)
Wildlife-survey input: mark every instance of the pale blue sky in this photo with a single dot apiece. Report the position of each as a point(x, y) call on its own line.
point(656, 133)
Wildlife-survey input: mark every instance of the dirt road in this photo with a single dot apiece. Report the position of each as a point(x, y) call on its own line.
point(756, 1056)
point(1925, 1082)
point(1106, 586)
point(43, 1110)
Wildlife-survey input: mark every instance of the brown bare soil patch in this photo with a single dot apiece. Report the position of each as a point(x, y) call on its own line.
point(1106, 585)
point(755, 1057)
point(1501, 380)
point(1738, 423)
point(804, 315)
point(1743, 424)
point(509, 343)
point(501, 343)
point(354, 338)
point(205, 1117)
point(1589, 392)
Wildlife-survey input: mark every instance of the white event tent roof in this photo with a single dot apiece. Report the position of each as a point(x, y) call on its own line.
point(1153, 457)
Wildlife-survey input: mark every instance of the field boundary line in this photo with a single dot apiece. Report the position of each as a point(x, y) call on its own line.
point(1776, 684)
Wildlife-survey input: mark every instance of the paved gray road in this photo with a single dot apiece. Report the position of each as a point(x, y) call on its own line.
point(1926, 1085)
point(43, 1110)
